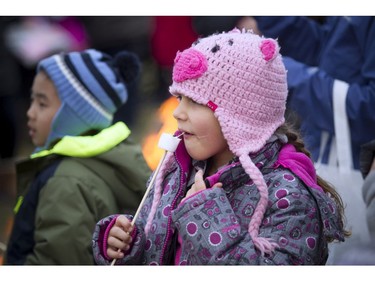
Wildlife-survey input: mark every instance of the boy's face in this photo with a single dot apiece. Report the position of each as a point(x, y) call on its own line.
point(203, 137)
point(43, 107)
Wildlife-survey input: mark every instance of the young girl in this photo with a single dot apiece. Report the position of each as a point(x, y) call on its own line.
point(240, 187)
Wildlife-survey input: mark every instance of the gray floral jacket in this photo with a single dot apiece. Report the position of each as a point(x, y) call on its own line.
point(211, 227)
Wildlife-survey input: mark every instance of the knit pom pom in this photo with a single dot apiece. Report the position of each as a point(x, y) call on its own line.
point(128, 65)
point(269, 49)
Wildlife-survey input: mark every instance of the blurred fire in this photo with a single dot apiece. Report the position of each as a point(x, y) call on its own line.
point(150, 149)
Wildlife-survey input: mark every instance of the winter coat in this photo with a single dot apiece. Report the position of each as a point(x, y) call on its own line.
point(315, 55)
point(211, 226)
point(63, 192)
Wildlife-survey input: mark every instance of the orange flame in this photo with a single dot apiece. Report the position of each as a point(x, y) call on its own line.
point(150, 149)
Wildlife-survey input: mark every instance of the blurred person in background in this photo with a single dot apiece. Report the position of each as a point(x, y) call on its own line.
point(82, 168)
point(25, 40)
point(367, 161)
point(317, 54)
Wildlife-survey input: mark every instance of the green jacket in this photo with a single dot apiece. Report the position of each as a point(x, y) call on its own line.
point(65, 191)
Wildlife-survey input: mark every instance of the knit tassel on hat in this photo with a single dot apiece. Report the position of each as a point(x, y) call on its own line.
point(264, 245)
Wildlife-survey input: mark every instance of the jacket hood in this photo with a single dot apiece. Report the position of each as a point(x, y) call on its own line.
point(88, 146)
point(301, 165)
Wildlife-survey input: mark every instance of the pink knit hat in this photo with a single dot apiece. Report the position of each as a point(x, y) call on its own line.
point(242, 78)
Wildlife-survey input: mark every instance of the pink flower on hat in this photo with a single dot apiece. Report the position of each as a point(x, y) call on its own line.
point(188, 65)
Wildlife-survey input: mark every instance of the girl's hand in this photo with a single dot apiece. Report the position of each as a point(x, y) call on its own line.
point(119, 237)
point(199, 184)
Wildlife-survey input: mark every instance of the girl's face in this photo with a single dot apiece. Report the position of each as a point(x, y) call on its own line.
point(203, 137)
point(43, 107)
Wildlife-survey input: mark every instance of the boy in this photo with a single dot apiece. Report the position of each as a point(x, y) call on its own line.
point(82, 168)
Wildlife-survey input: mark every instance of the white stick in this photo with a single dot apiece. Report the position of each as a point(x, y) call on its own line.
point(167, 144)
point(144, 196)
point(148, 188)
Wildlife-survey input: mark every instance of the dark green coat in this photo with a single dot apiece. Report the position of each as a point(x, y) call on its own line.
point(64, 192)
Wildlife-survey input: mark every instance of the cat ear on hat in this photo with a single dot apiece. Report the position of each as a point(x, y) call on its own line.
point(269, 48)
point(128, 65)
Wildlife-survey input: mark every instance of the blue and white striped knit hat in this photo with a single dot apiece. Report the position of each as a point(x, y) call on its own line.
point(91, 86)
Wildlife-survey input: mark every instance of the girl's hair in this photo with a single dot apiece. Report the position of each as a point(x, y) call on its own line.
point(295, 139)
